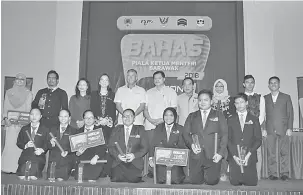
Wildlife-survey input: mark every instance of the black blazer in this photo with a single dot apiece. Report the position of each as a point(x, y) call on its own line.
point(215, 123)
point(55, 153)
point(40, 141)
point(279, 116)
point(95, 105)
point(251, 136)
point(89, 153)
point(138, 142)
point(160, 138)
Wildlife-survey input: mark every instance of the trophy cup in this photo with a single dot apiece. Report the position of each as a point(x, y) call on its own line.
point(129, 148)
point(42, 101)
point(52, 172)
point(243, 152)
point(28, 166)
point(80, 173)
point(195, 138)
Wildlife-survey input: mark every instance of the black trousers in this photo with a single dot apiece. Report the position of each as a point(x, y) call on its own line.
point(35, 170)
point(199, 173)
point(177, 174)
point(248, 178)
point(126, 172)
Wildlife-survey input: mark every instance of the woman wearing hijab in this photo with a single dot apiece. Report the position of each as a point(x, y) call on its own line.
point(18, 98)
point(168, 135)
point(223, 102)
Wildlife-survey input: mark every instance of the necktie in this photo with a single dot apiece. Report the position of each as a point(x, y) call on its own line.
point(33, 132)
point(242, 121)
point(126, 135)
point(204, 118)
point(62, 131)
point(168, 127)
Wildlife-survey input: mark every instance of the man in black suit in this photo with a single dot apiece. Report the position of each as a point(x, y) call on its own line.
point(204, 161)
point(243, 130)
point(51, 100)
point(279, 124)
point(128, 164)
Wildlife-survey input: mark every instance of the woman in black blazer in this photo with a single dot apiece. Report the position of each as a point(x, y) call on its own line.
point(168, 135)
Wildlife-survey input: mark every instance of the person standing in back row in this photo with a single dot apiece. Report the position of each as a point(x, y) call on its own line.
point(256, 107)
point(279, 124)
point(51, 100)
point(158, 98)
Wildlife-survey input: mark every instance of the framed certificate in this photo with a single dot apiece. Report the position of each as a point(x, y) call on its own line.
point(86, 140)
point(18, 118)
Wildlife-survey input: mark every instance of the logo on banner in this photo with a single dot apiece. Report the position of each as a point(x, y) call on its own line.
point(200, 22)
point(177, 55)
point(128, 21)
point(163, 21)
point(146, 22)
point(182, 22)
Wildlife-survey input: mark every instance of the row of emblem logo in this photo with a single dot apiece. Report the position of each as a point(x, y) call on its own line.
point(164, 21)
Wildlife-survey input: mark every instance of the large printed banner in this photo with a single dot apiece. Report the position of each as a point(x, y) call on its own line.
point(177, 55)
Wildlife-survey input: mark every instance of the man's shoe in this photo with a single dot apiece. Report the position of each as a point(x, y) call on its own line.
point(271, 177)
point(284, 177)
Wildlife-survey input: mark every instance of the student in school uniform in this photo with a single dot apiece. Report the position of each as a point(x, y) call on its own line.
point(204, 161)
point(64, 161)
point(243, 130)
point(133, 141)
point(93, 170)
point(39, 135)
point(168, 135)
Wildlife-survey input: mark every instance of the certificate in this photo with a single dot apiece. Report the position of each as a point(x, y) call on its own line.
point(18, 117)
point(86, 140)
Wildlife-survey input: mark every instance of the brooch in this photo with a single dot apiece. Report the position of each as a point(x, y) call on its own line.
point(175, 132)
point(214, 119)
point(249, 123)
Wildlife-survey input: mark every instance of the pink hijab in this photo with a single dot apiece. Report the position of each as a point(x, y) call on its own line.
point(18, 94)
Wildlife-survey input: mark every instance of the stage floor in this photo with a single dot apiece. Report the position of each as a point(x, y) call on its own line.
point(263, 185)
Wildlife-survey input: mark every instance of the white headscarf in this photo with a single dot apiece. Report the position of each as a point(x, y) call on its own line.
point(223, 97)
point(17, 95)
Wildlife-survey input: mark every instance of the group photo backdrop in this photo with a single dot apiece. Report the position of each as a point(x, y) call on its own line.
point(104, 47)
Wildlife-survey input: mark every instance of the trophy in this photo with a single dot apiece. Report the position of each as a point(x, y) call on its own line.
point(28, 166)
point(241, 154)
point(195, 138)
point(42, 101)
point(129, 148)
point(52, 172)
point(80, 173)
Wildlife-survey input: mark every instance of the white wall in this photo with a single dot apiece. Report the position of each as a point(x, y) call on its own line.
point(273, 45)
point(40, 36)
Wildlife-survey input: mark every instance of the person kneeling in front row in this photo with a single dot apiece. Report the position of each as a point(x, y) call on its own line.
point(168, 135)
point(244, 136)
point(128, 163)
